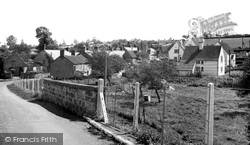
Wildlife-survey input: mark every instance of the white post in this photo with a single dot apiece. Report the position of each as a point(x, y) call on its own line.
point(25, 86)
point(28, 84)
point(33, 86)
point(136, 106)
point(38, 85)
point(210, 114)
point(101, 107)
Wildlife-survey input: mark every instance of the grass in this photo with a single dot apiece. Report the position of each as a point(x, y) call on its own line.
point(186, 113)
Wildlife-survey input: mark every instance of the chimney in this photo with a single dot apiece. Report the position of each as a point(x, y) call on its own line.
point(62, 53)
point(201, 43)
point(82, 51)
point(73, 52)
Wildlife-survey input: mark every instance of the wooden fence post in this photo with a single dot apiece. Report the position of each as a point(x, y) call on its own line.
point(210, 114)
point(101, 107)
point(33, 86)
point(25, 84)
point(136, 106)
point(38, 85)
point(28, 84)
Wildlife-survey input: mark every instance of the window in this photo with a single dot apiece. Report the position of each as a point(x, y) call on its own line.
point(202, 69)
point(198, 62)
point(221, 58)
point(221, 69)
point(198, 69)
point(175, 58)
point(202, 62)
point(176, 51)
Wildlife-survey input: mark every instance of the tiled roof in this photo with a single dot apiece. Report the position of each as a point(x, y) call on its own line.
point(232, 42)
point(226, 47)
point(209, 53)
point(188, 66)
point(190, 53)
point(79, 59)
point(131, 53)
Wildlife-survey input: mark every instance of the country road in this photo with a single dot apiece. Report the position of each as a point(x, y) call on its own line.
point(20, 116)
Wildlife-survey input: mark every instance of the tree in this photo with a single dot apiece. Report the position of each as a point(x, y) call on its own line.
point(245, 78)
point(53, 45)
point(21, 48)
point(44, 37)
point(11, 41)
point(98, 62)
point(150, 74)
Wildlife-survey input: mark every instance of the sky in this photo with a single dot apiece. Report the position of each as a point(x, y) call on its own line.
point(108, 20)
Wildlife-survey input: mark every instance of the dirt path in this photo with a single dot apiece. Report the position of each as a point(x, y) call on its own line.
point(20, 116)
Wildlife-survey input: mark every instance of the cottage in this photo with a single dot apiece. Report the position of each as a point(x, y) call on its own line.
point(44, 59)
point(70, 66)
point(129, 55)
point(192, 42)
point(15, 64)
point(209, 60)
point(173, 51)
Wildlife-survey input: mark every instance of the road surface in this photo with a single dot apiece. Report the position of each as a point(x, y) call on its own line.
point(20, 116)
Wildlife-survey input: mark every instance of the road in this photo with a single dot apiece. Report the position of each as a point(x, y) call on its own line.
point(20, 116)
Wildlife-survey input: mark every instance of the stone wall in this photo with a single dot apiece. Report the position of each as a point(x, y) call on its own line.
point(79, 98)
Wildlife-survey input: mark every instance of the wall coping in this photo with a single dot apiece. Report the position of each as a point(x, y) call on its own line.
point(75, 85)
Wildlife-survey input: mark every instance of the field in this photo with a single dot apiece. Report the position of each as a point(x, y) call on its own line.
point(185, 116)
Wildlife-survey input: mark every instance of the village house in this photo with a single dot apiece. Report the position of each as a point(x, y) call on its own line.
point(208, 60)
point(129, 55)
point(44, 59)
point(69, 66)
point(16, 64)
point(191, 42)
point(173, 51)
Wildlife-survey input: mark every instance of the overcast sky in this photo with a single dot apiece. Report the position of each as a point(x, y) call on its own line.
point(112, 19)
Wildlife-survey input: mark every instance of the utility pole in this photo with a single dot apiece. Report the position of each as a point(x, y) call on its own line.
point(105, 77)
point(229, 62)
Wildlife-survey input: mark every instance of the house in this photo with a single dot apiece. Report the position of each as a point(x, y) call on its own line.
point(152, 54)
point(15, 64)
point(175, 52)
point(117, 52)
point(230, 56)
point(192, 42)
point(44, 59)
point(69, 66)
point(172, 51)
point(209, 60)
point(56, 53)
point(129, 55)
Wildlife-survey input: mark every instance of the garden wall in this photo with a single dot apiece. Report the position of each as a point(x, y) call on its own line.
point(79, 98)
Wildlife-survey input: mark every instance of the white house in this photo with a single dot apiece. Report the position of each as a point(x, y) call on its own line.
point(209, 60)
point(176, 51)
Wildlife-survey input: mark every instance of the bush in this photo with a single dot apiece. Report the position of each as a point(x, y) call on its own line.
point(147, 138)
point(222, 81)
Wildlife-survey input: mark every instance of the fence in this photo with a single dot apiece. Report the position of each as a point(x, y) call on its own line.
point(122, 103)
point(120, 100)
point(34, 86)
